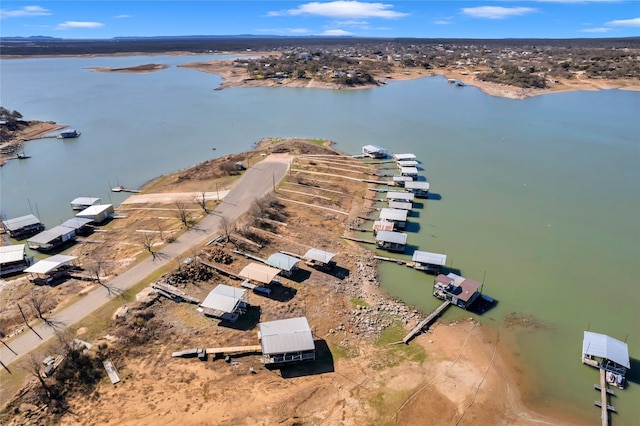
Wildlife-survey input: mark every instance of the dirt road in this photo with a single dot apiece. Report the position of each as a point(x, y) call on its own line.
point(256, 182)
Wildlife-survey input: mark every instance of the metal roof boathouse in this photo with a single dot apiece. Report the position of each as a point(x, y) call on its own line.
point(287, 264)
point(14, 259)
point(82, 203)
point(419, 188)
point(225, 302)
point(97, 213)
point(46, 271)
point(319, 258)
point(392, 241)
point(374, 151)
point(51, 238)
point(606, 353)
point(285, 341)
point(428, 262)
point(23, 226)
point(458, 290)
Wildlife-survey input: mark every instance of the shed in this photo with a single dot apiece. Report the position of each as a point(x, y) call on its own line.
point(23, 226)
point(98, 213)
point(82, 203)
point(397, 216)
point(259, 273)
point(420, 189)
point(287, 340)
point(225, 302)
point(80, 224)
point(458, 290)
point(429, 262)
point(14, 259)
point(605, 352)
point(47, 270)
point(287, 264)
point(390, 240)
point(51, 238)
point(404, 157)
point(374, 151)
point(400, 196)
point(409, 171)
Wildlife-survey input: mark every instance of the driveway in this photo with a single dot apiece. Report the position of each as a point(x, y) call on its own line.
point(254, 184)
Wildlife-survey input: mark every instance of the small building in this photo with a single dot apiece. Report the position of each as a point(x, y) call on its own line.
point(285, 341)
point(14, 259)
point(374, 151)
point(406, 197)
point(51, 238)
point(82, 203)
point(428, 262)
point(390, 240)
point(79, 224)
point(397, 216)
point(409, 171)
point(98, 213)
point(382, 225)
point(261, 274)
point(287, 264)
point(23, 226)
point(401, 180)
point(458, 290)
point(47, 271)
point(319, 259)
point(606, 353)
point(407, 163)
point(420, 188)
point(404, 157)
point(225, 303)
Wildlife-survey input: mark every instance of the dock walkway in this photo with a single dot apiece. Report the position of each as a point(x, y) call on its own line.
point(603, 403)
point(425, 322)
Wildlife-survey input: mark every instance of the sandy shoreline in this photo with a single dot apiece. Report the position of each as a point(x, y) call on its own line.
point(34, 130)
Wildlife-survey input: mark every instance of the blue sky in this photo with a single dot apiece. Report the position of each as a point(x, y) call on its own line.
point(412, 18)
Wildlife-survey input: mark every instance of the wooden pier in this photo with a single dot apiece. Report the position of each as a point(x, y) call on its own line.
point(173, 293)
point(219, 269)
point(425, 322)
point(603, 403)
point(394, 260)
point(121, 188)
point(235, 350)
point(358, 240)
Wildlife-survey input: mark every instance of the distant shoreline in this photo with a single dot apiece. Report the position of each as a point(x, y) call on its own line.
point(233, 77)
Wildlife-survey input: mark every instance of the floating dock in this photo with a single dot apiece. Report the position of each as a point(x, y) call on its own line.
point(425, 322)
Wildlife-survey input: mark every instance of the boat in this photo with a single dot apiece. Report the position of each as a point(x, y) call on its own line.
point(69, 134)
point(22, 156)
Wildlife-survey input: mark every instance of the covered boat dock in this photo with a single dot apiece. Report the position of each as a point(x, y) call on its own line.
point(46, 271)
point(392, 241)
point(287, 264)
point(225, 302)
point(287, 340)
point(51, 238)
point(14, 259)
point(319, 258)
point(429, 262)
point(22, 226)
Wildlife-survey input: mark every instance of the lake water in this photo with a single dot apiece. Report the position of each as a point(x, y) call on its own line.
point(540, 198)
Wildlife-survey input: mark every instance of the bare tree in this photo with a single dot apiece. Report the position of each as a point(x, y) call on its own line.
point(31, 364)
point(227, 226)
point(182, 213)
point(24, 318)
point(201, 200)
point(38, 302)
point(147, 240)
point(96, 266)
point(161, 228)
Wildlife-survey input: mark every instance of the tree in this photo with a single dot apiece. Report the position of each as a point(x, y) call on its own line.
point(201, 200)
point(38, 302)
point(227, 226)
point(182, 213)
point(147, 240)
point(31, 365)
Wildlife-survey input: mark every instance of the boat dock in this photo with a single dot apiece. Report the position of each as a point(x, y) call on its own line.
point(425, 322)
point(235, 350)
point(394, 260)
point(603, 403)
point(121, 188)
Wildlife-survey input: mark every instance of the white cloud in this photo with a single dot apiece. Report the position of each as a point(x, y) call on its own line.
point(335, 33)
point(123, 16)
point(496, 12)
point(343, 10)
point(443, 21)
point(634, 22)
point(77, 24)
point(579, 1)
point(27, 11)
point(596, 30)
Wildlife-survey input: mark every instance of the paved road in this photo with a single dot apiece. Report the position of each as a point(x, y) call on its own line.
point(256, 182)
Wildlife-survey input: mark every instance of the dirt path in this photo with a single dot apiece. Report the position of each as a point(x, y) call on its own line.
point(255, 183)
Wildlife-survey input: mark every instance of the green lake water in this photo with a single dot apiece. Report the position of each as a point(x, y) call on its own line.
point(539, 197)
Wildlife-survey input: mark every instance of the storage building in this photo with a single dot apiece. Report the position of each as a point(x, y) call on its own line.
point(98, 213)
